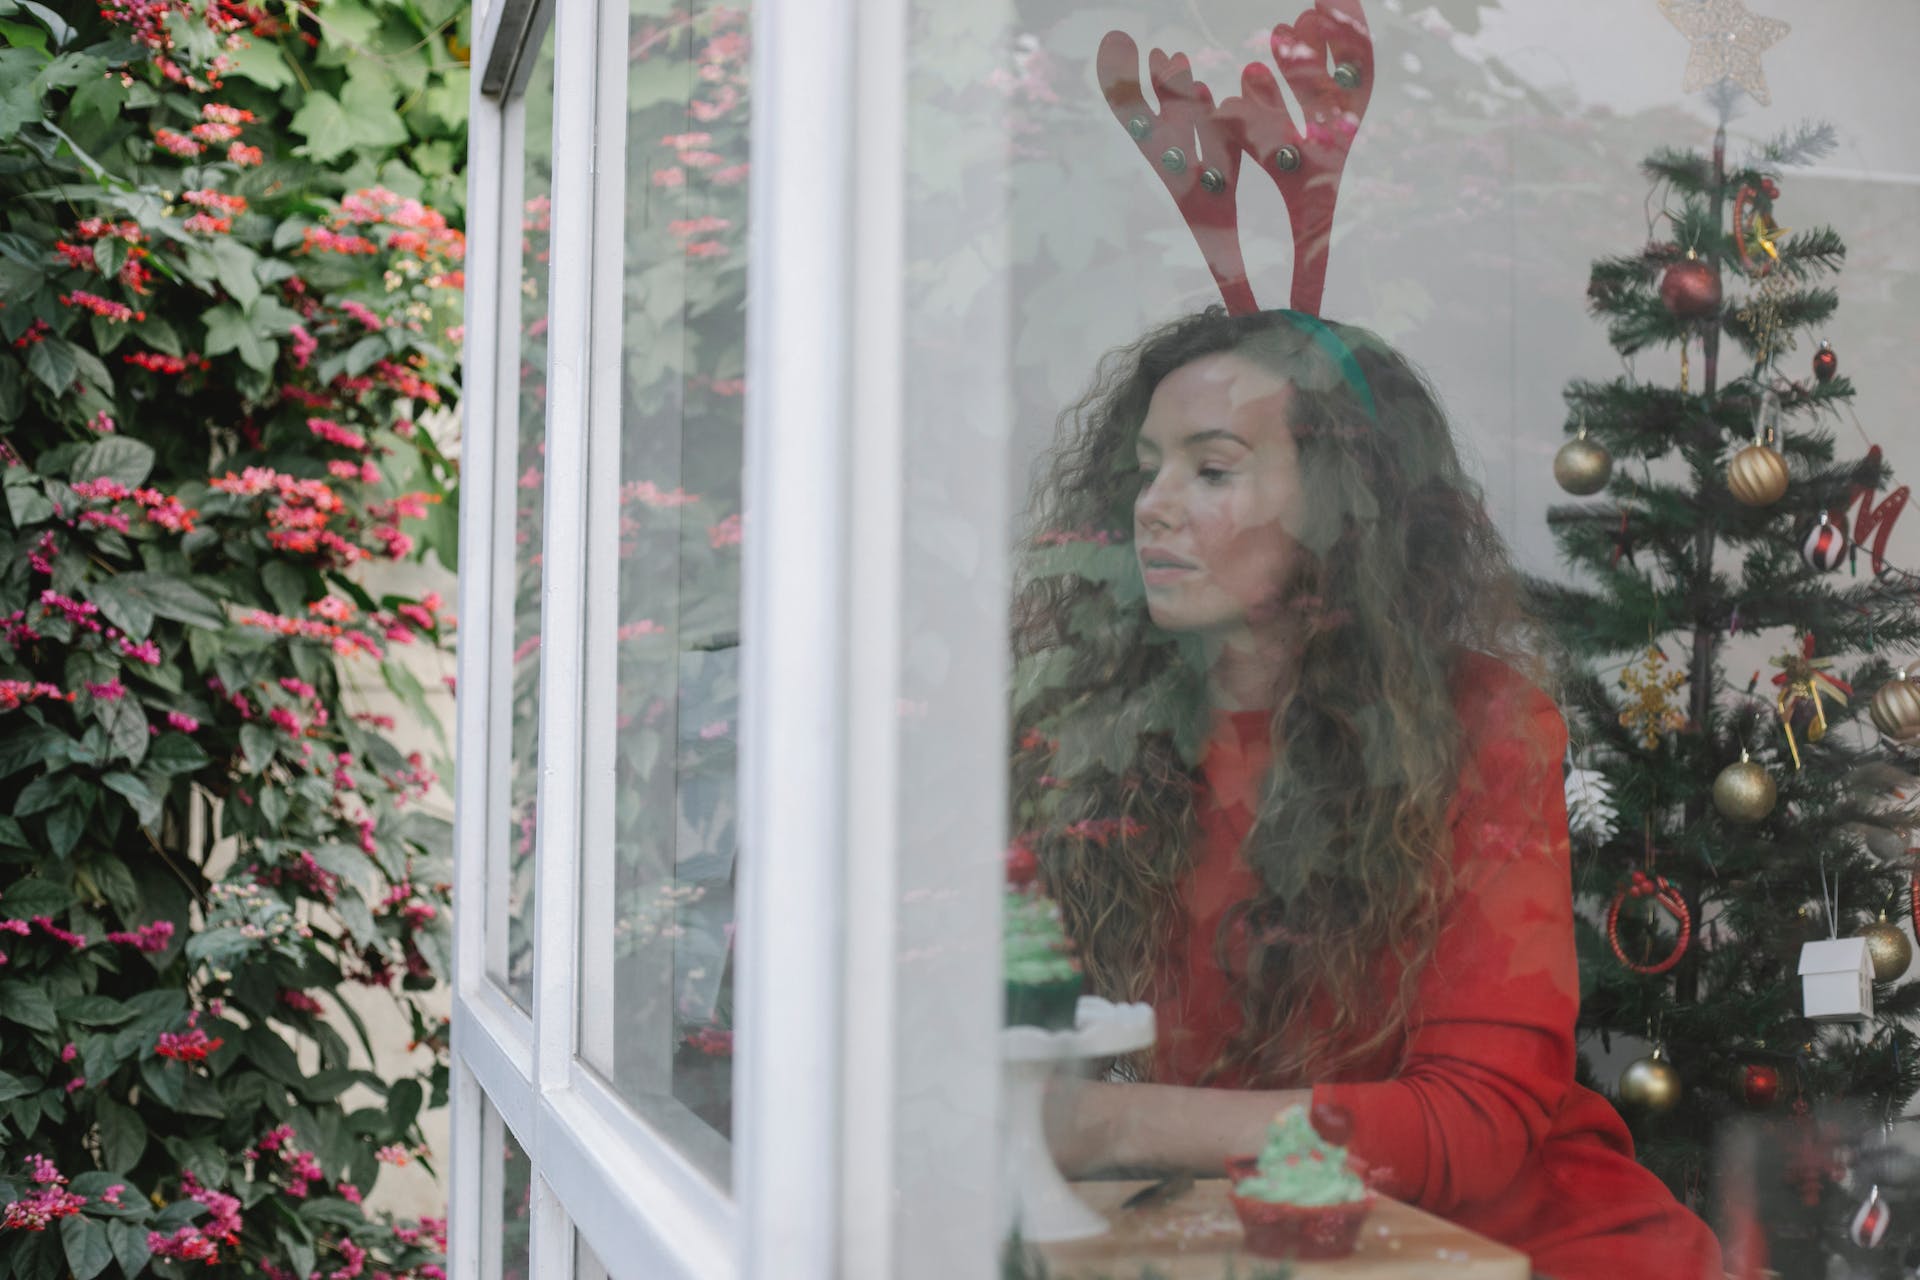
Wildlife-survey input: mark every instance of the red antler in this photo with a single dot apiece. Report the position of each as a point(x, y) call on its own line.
point(1189, 148)
point(1196, 147)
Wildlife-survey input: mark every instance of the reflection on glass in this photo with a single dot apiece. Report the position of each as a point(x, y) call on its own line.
point(535, 214)
point(1286, 773)
point(658, 943)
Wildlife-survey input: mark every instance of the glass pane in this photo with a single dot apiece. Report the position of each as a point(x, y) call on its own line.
point(1287, 718)
point(508, 1187)
point(586, 1265)
point(657, 928)
point(529, 303)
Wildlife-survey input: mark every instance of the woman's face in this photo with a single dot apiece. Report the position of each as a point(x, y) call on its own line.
point(1220, 479)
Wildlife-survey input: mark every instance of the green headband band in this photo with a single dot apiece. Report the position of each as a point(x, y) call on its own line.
point(1330, 342)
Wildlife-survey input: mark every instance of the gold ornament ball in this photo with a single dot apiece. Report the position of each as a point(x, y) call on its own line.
point(1650, 1084)
point(1757, 476)
point(1744, 791)
point(1888, 945)
point(1896, 707)
point(1582, 466)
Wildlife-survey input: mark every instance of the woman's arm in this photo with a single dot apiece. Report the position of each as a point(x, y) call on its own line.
point(1096, 1128)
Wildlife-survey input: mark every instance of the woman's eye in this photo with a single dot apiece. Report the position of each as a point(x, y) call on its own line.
point(1214, 475)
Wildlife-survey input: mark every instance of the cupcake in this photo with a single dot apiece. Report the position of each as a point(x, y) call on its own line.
point(1302, 1196)
point(1043, 978)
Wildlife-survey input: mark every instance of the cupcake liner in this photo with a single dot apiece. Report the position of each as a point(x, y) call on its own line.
point(1293, 1230)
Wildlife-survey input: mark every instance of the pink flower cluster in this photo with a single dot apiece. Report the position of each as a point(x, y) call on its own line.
point(151, 938)
point(105, 308)
point(333, 433)
point(162, 509)
point(404, 382)
point(160, 362)
point(187, 1046)
point(13, 693)
point(49, 1203)
point(177, 144)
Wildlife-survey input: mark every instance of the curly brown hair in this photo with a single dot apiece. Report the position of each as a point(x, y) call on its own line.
point(1403, 574)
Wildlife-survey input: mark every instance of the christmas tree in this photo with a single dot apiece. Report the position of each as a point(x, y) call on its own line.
point(1722, 820)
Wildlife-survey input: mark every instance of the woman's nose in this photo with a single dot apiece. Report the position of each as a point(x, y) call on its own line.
point(1158, 505)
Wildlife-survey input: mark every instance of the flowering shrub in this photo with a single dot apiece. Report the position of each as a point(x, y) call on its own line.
point(228, 303)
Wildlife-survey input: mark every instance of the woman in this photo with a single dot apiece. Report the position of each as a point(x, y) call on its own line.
point(1283, 770)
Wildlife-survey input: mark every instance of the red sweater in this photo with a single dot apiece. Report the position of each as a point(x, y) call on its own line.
point(1483, 1124)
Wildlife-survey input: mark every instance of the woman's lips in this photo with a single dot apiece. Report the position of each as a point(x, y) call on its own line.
point(1164, 574)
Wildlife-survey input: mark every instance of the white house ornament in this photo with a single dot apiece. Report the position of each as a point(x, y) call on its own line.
point(1836, 980)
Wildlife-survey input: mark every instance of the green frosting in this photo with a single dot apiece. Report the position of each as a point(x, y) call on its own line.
point(1035, 949)
point(1297, 1166)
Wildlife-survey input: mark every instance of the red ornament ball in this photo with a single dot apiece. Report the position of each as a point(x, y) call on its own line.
point(1825, 362)
point(1757, 1084)
point(1022, 867)
point(1333, 1124)
point(1690, 289)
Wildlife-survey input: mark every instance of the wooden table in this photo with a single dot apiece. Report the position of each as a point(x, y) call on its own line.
point(1197, 1237)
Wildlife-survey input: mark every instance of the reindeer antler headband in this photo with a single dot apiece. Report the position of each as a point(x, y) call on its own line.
point(1197, 148)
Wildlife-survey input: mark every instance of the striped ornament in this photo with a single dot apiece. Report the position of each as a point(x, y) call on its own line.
point(1825, 546)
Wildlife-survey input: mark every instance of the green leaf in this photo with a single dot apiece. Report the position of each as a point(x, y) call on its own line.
point(287, 584)
point(125, 609)
point(260, 61)
point(174, 598)
point(64, 828)
point(27, 1005)
point(86, 1244)
point(12, 834)
point(68, 70)
point(258, 744)
point(200, 1156)
point(62, 33)
point(163, 1079)
point(52, 362)
point(176, 753)
point(325, 126)
point(126, 726)
point(115, 458)
point(46, 792)
point(403, 1104)
point(146, 805)
point(129, 1239)
point(12, 1087)
point(229, 329)
point(101, 98)
point(233, 265)
point(96, 1011)
point(27, 505)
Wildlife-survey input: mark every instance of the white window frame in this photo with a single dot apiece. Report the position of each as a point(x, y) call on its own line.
point(814, 1159)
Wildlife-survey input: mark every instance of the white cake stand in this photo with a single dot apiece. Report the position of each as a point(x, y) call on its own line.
point(1034, 1197)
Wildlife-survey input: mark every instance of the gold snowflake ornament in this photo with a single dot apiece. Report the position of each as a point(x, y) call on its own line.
point(1652, 711)
point(1727, 42)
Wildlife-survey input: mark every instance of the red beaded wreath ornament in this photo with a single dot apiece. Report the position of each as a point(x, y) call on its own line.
point(1667, 895)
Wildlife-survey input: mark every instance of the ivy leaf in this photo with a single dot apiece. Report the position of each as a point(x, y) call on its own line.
point(116, 458)
point(101, 98)
point(229, 329)
point(233, 265)
point(260, 61)
point(87, 1248)
point(324, 125)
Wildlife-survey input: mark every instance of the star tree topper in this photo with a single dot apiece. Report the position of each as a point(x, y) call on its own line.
point(1727, 41)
